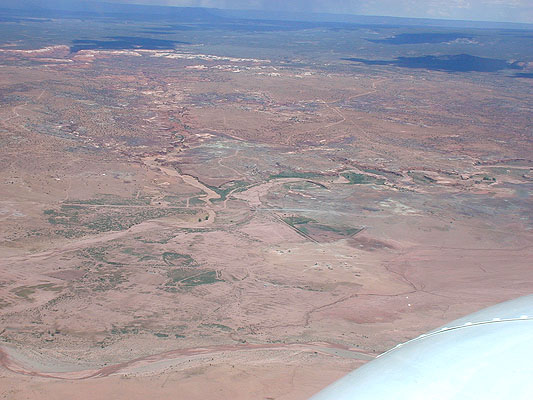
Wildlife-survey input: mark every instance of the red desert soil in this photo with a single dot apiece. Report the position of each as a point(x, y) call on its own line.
point(244, 228)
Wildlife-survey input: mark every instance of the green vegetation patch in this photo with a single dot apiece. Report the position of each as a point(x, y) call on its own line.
point(191, 277)
point(177, 259)
point(125, 220)
point(179, 274)
point(177, 201)
point(217, 326)
point(362, 179)
point(109, 199)
point(305, 225)
point(65, 216)
point(344, 231)
point(104, 279)
point(162, 240)
point(142, 254)
point(421, 178)
point(228, 187)
point(124, 330)
point(101, 274)
point(299, 222)
point(97, 253)
point(388, 174)
point(80, 220)
point(26, 291)
point(131, 251)
point(205, 278)
point(196, 201)
point(482, 178)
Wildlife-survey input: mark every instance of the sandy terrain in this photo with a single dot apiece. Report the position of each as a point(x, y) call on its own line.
point(204, 233)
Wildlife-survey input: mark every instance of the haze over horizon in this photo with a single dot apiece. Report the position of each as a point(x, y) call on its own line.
point(475, 10)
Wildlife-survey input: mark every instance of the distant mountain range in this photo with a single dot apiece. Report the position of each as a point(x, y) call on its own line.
point(85, 9)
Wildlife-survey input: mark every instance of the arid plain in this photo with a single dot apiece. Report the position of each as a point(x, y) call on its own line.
point(181, 223)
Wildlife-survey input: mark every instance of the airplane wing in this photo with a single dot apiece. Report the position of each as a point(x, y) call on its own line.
point(485, 355)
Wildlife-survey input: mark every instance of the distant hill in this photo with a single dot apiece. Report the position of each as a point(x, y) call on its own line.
point(369, 20)
point(86, 9)
point(67, 8)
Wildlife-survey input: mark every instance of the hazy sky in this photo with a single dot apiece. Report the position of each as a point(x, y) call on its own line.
point(487, 10)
